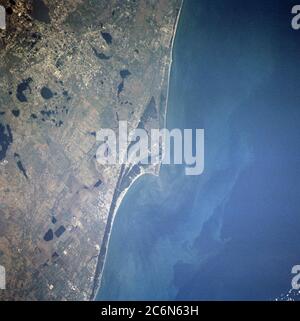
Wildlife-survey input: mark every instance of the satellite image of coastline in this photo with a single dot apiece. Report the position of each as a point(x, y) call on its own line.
point(221, 78)
point(69, 68)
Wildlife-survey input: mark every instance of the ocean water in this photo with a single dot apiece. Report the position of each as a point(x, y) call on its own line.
point(233, 232)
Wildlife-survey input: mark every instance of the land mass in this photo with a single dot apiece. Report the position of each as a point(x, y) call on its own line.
point(69, 68)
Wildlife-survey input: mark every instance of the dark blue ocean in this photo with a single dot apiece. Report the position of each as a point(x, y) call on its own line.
point(234, 231)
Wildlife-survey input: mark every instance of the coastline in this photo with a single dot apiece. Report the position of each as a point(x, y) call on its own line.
point(171, 61)
point(119, 195)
